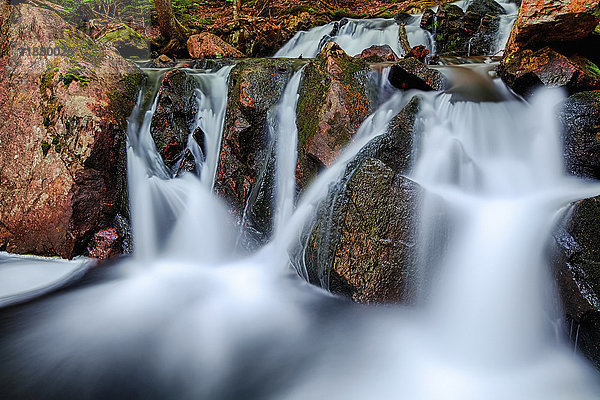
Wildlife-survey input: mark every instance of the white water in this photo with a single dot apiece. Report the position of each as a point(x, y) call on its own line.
point(286, 136)
point(355, 36)
point(188, 318)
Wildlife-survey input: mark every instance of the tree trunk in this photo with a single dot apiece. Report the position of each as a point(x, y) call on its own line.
point(170, 28)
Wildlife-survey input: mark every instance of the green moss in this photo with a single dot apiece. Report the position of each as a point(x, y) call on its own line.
point(58, 148)
point(45, 147)
point(80, 48)
point(55, 141)
point(74, 75)
point(49, 103)
point(309, 111)
point(122, 99)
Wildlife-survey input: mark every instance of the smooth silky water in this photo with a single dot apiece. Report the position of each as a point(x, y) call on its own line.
point(188, 315)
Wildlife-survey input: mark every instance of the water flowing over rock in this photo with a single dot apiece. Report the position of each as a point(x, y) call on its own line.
point(581, 121)
point(63, 161)
point(540, 22)
point(411, 73)
point(175, 114)
point(362, 244)
point(207, 45)
point(245, 170)
point(578, 275)
point(461, 33)
point(334, 101)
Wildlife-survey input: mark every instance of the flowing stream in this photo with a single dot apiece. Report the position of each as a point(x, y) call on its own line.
point(188, 316)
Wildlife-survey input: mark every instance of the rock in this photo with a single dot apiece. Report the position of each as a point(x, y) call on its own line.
point(404, 18)
point(540, 23)
point(334, 100)
point(524, 70)
point(207, 45)
point(163, 61)
point(377, 53)
point(105, 244)
point(578, 275)
point(419, 52)
point(63, 164)
point(580, 117)
point(486, 7)
point(362, 244)
point(174, 115)
point(410, 73)
point(245, 171)
point(464, 34)
point(128, 42)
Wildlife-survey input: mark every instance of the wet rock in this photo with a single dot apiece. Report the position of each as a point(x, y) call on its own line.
point(174, 115)
point(207, 45)
point(419, 52)
point(162, 61)
point(362, 244)
point(334, 100)
point(411, 73)
point(524, 70)
point(578, 275)
point(580, 117)
point(62, 165)
point(458, 33)
point(377, 53)
point(105, 244)
point(486, 7)
point(245, 170)
point(540, 23)
point(404, 18)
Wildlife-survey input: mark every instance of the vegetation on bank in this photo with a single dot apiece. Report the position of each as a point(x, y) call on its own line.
point(242, 23)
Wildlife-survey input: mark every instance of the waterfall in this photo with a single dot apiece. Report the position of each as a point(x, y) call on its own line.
point(506, 23)
point(353, 35)
point(287, 147)
point(188, 317)
point(497, 169)
point(163, 209)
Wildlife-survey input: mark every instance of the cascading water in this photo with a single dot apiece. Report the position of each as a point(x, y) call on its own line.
point(186, 317)
point(353, 36)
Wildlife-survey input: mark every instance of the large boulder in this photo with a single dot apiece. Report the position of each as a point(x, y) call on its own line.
point(128, 42)
point(580, 117)
point(245, 170)
point(540, 22)
point(527, 69)
point(578, 275)
point(62, 165)
point(207, 45)
point(411, 73)
point(174, 116)
point(362, 243)
point(334, 100)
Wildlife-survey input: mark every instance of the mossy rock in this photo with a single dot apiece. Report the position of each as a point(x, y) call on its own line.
point(361, 242)
point(246, 169)
point(128, 42)
point(335, 98)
